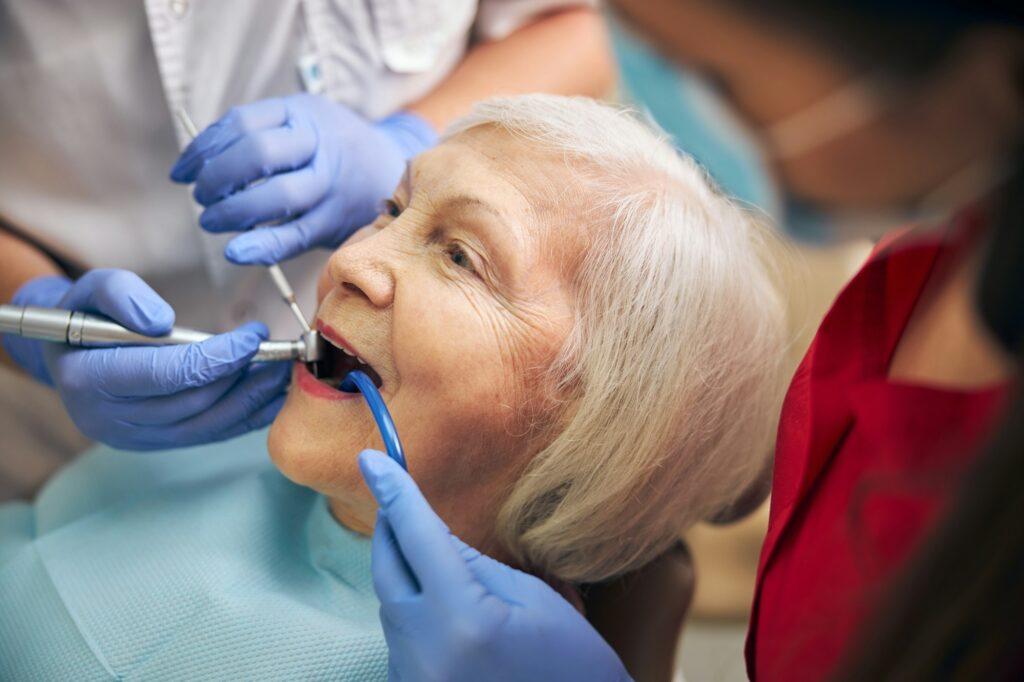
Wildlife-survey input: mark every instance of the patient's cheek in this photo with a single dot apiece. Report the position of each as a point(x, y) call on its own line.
point(315, 450)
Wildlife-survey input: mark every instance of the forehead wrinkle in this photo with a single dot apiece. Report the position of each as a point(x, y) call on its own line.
point(547, 184)
point(444, 198)
point(468, 202)
point(561, 212)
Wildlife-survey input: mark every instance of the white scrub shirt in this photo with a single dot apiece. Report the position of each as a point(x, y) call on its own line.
point(87, 139)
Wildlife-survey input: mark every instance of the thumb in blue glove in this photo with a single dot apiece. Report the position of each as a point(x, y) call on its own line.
point(451, 613)
point(143, 398)
point(317, 168)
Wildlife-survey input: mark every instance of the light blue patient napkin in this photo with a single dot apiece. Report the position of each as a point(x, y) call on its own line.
point(203, 563)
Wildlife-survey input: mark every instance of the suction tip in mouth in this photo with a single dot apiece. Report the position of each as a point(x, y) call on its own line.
point(334, 363)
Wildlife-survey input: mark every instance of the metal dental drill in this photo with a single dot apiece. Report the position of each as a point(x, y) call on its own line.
point(75, 328)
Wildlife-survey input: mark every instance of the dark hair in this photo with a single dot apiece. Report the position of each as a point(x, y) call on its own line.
point(1001, 287)
point(957, 611)
point(897, 38)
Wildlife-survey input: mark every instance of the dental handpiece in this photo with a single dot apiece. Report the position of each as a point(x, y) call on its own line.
point(76, 328)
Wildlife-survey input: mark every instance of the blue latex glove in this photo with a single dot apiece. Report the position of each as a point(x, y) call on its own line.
point(451, 613)
point(147, 398)
point(44, 292)
point(326, 170)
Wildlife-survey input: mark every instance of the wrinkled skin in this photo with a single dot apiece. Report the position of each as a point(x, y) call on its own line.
point(459, 297)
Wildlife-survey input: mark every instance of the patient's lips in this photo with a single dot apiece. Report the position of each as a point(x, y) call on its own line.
point(318, 388)
point(335, 337)
point(340, 357)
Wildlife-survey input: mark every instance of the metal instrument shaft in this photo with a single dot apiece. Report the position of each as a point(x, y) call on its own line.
point(276, 274)
point(75, 328)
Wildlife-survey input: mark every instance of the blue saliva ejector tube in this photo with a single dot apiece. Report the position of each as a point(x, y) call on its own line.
point(385, 424)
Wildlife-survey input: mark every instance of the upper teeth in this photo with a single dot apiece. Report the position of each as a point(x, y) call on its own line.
point(349, 353)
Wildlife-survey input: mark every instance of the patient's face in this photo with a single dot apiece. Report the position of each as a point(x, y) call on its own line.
point(457, 297)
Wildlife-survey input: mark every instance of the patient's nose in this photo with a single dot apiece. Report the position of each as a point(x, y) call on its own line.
point(360, 270)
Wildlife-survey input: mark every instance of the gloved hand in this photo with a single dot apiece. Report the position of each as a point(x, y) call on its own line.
point(44, 292)
point(326, 169)
point(146, 398)
point(451, 613)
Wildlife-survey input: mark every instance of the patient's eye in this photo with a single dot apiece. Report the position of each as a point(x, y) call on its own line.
point(389, 207)
point(458, 255)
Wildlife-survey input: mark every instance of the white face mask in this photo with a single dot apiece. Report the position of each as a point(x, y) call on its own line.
point(703, 123)
point(846, 110)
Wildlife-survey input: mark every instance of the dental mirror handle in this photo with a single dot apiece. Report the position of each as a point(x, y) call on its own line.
point(76, 328)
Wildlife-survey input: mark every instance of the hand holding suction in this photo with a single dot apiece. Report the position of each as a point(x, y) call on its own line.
point(451, 613)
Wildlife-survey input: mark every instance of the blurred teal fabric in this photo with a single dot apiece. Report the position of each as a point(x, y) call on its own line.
point(697, 118)
point(702, 123)
point(204, 563)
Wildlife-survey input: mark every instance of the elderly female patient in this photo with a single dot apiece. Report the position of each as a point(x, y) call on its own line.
point(578, 343)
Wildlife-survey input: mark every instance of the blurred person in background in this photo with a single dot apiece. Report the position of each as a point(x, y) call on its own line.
point(87, 135)
point(901, 115)
point(955, 612)
point(698, 116)
point(856, 111)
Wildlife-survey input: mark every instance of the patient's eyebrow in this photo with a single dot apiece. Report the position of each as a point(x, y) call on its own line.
point(498, 230)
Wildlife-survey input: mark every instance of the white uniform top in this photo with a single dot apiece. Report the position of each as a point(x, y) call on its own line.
point(87, 136)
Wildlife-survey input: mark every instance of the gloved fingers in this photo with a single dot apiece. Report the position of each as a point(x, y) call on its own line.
point(45, 292)
point(253, 157)
point(180, 435)
point(142, 372)
point(393, 674)
point(411, 133)
point(27, 354)
point(392, 578)
point(497, 578)
point(280, 197)
point(242, 409)
point(122, 296)
point(281, 242)
point(259, 419)
point(238, 122)
point(423, 538)
point(397, 644)
point(166, 410)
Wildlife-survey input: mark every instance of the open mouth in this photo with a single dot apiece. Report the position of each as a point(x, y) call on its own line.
point(336, 361)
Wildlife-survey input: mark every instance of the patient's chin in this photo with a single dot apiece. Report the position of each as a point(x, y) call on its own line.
point(318, 456)
point(303, 456)
point(280, 446)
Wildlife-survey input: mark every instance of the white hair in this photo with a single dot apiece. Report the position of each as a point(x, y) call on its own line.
point(672, 367)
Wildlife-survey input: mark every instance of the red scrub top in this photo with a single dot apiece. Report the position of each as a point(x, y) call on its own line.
point(863, 466)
